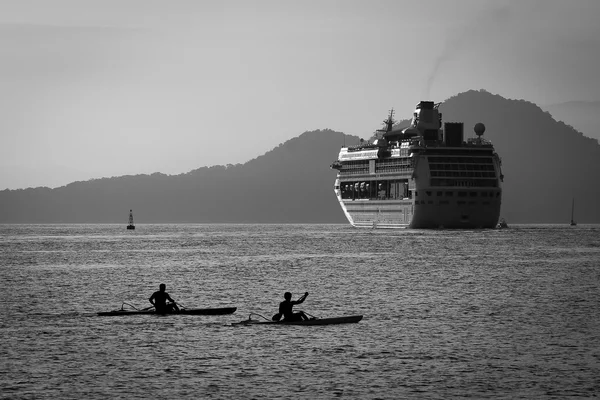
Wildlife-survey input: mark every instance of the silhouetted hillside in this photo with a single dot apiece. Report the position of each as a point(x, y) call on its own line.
point(290, 184)
point(581, 115)
point(545, 164)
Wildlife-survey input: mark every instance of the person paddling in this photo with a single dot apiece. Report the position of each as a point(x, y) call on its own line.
point(159, 301)
point(286, 306)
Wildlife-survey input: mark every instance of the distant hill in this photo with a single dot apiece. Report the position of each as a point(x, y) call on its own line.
point(545, 163)
point(581, 115)
point(290, 184)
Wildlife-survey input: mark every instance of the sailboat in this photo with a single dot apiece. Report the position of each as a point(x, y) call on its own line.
point(573, 223)
point(131, 225)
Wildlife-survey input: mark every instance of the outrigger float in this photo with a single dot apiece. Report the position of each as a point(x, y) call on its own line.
point(182, 311)
point(350, 319)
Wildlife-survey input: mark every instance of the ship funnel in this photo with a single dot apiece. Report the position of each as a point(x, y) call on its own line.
point(453, 134)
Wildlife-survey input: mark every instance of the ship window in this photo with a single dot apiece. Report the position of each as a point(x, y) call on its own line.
point(444, 202)
point(462, 194)
point(461, 202)
point(416, 193)
point(498, 194)
point(428, 193)
point(430, 202)
point(449, 194)
point(486, 203)
point(483, 194)
point(439, 193)
point(473, 194)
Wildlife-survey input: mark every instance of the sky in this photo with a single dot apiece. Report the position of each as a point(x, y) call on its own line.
point(102, 88)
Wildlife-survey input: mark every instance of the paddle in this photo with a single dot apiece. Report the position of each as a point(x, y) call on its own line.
point(179, 304)
point(170, 307)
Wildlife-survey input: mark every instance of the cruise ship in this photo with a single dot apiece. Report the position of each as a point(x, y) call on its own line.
point(421, 176)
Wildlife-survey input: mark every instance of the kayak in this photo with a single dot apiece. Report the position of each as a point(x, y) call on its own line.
point(183, 311)
point(351, 319)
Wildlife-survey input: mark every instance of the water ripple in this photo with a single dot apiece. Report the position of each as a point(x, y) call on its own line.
point(447, 314)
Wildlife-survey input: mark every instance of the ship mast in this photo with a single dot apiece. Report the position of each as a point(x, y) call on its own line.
point(388, 122)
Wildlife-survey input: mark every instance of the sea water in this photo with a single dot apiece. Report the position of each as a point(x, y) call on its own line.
point(511, 313)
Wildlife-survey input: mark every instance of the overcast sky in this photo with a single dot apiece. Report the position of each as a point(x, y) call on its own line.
point(101, 88)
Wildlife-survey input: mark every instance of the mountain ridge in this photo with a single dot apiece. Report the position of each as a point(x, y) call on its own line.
point(581, 115)
point(545, 163)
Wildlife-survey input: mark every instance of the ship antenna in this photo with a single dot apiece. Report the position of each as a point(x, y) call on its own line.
point(479, 129)
point(388, 122)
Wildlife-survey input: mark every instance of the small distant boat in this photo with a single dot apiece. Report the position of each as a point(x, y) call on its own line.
point(131, 225)
point(573, 223)
point(313, 321)
point(502, 224)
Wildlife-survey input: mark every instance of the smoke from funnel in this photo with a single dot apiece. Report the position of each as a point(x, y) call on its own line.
point(486, 26)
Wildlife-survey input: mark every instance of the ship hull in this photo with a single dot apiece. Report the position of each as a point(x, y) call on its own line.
point(404, 214)
point(378, 214)
point(475, 216)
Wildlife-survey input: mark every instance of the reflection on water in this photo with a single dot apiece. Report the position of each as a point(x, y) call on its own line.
point(507, 313)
